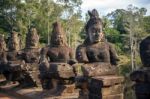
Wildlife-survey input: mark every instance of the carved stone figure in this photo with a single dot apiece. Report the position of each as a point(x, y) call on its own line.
point(97, 59)
point(23, 64)
point(13, 41)
point(142, 75)
point(3, 59)
point(13, 46)
point(2, 43)
point(56, 60)
point(30, 54)
point(12, 56)
point(2, 48)
point(96, 49)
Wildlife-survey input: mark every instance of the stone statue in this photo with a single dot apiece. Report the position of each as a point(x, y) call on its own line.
point(97, 59)
point(22, 64)
point(2, 43)
point(31, 51)
point(12, 56)
point(30, 55)
point(96, 49)
point(142, 75)
point(56, 60)
point(3, 59)
point(13, 41)
point(13, 46)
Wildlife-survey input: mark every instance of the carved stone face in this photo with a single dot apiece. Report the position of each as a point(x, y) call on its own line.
point(14, 41)
point(58, 37)
point(147, 56)
point(95, 33)
point(145, 51)
point(94, 27)
point(32, 38)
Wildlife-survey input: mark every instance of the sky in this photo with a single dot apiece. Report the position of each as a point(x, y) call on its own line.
point(106, 6)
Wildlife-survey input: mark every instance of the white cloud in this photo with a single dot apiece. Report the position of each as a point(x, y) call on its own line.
point(106, 6)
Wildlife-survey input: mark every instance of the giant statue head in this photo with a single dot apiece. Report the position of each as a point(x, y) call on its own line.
point(2, 43)
point(94, 27)
point(58, 37)
point(14, 41)
point(145, 51)
point(32, 38)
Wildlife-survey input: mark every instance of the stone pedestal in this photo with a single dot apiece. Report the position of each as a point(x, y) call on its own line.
point(64, 92)
point(141, 78)
point(106, 87)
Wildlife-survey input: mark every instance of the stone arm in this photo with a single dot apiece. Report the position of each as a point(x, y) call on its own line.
point(43, 55)
point(43, 62)
point(113, 55)
point(71, 57)
point(81, 55)
point(21, 55)
point(3, 58)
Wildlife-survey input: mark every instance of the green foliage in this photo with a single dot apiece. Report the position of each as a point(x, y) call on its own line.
point(41, 13)
point(126, 28)
point(146, 22)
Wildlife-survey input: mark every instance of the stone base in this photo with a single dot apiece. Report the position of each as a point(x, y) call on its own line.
point(117, 96)
point(141, 75)
point(65, 92)
point(95, 69)
point(142, 90)
point(108, 80)
point(106, 87)
point(102, 87)
point(141, 78)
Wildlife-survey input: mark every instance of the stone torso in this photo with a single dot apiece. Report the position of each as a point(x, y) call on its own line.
point(12, 55)
point(31, 55)
point(59, 54)
point(3, 57)
point(98, 52)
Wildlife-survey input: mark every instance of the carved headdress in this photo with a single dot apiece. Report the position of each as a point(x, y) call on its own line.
point(32, 38)
point(58, 36)
point(94, 19)
point(96, 23)
point(14, 41)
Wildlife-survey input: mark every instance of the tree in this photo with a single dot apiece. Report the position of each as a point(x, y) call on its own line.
point(41, 13)
point(130, 25)
point(146, 24)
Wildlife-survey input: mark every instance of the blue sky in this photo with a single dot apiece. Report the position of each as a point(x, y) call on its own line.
point(106, 6)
